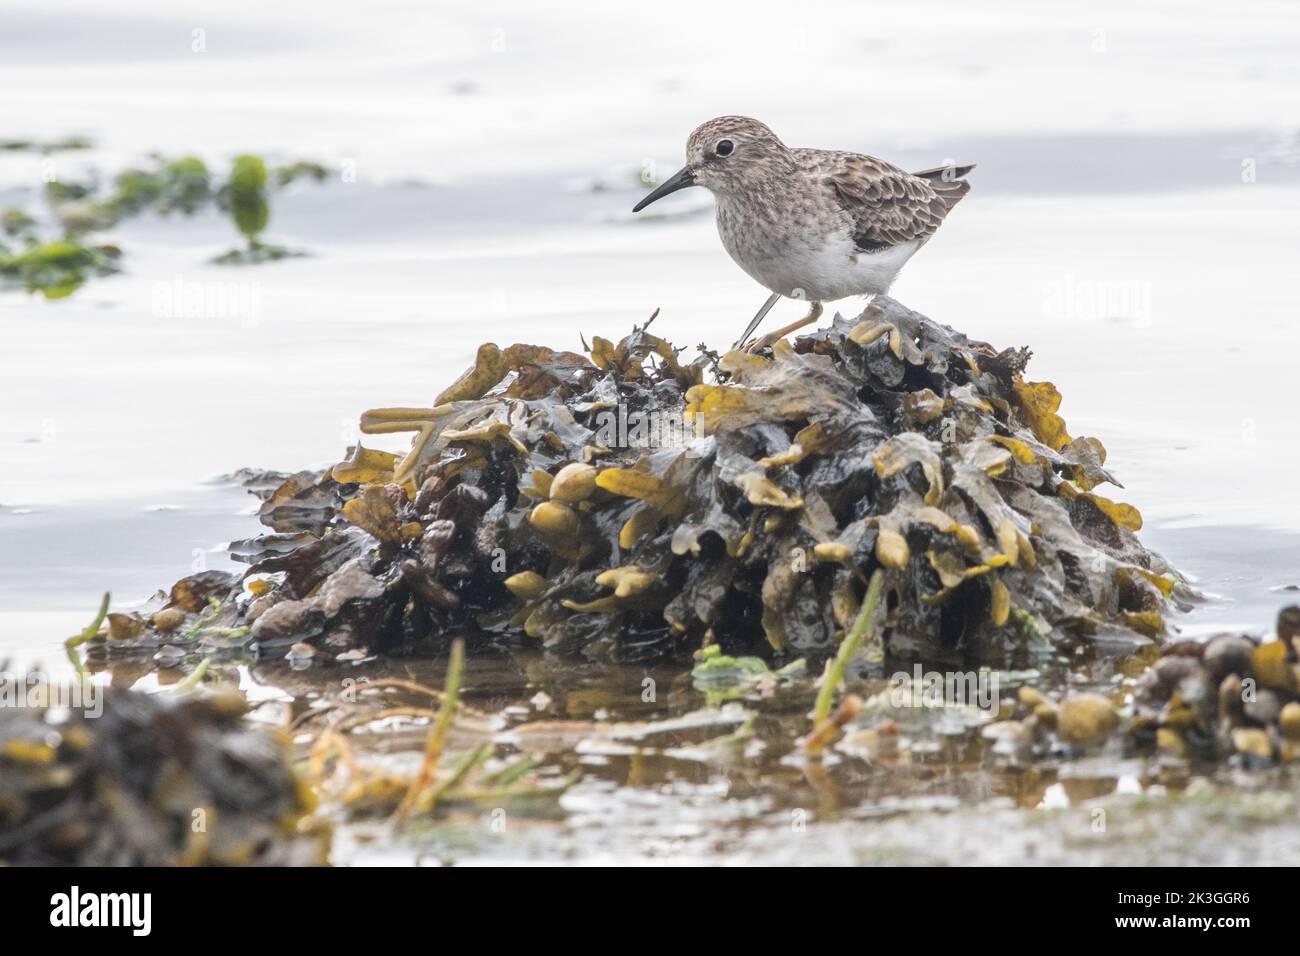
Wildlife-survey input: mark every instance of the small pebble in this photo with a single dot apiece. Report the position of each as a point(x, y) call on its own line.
point(168, 619)
point(1030, 697)
point(1289, 720)
point(1288, 623)
point(1253, 741)
point(300, 653)
point(1271, 667)
point(1228, 654)
point(1086, 717)
point(169, 655)
point(1265, 708)
point(124, 627)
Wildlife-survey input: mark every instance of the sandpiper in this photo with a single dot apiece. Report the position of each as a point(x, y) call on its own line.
point(812, 224)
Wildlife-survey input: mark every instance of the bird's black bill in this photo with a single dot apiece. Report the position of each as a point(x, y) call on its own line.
point(679, 180)
point(753, 323)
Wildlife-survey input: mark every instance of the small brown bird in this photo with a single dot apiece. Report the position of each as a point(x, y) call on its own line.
point(811, 224)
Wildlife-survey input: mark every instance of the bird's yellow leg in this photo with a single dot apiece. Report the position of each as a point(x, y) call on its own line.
point(813, 315)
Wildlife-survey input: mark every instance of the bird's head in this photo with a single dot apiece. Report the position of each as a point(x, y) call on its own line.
point(729, 154)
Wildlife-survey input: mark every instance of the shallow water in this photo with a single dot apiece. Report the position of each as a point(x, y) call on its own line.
point(1110, 229)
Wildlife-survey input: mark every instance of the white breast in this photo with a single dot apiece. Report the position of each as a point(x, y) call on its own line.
point(821, 270)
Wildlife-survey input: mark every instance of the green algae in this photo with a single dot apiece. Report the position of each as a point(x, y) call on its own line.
point(87, 634)
point(848, 650)
point(55, 267)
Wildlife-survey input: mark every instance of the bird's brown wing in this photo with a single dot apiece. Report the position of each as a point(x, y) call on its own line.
point(887, 205)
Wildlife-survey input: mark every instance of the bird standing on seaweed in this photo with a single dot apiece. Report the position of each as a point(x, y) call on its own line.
point(812, 224)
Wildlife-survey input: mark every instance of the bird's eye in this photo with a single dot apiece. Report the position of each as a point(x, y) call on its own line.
point(724, 147)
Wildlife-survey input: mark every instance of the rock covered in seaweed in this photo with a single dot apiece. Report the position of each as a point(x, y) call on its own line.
point(627, 502)
point(129, 787)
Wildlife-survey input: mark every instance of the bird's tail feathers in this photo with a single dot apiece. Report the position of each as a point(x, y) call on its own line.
point(944, 174)
point(947, 182)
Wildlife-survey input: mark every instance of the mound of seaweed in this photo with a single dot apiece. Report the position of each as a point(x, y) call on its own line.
point(149, 782)
point(625, 502)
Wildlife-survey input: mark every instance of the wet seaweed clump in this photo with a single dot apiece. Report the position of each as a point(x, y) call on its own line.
point(626, 503)
point(1233, 697)
point(132, 779)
